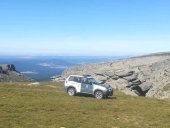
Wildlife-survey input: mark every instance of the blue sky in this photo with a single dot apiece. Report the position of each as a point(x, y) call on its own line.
point(84, 27)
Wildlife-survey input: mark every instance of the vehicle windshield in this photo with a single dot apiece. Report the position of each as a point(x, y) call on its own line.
point(92, 80)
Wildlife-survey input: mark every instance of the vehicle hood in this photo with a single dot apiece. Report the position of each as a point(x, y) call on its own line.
point(103, 85)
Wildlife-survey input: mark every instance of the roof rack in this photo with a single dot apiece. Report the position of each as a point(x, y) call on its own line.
point(86, 75)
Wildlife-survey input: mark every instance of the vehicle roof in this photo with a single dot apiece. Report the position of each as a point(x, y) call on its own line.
point(87, 76)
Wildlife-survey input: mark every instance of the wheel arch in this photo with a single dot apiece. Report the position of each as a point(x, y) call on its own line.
point(71, 87)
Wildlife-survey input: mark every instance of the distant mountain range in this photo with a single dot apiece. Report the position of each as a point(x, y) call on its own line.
point(43, 67)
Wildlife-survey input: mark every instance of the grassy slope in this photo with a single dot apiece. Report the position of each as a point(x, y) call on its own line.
point(48, 106)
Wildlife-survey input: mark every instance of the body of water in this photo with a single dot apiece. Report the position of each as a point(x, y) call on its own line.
point(42, 68)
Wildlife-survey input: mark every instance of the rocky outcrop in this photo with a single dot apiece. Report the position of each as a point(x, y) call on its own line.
point(7, 67)
point(57, 78)
point(1, 71)
point(142, 76)
point(8, 73)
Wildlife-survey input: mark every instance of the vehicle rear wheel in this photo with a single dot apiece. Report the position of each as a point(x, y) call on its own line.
point(98, 95)
point(71, 92)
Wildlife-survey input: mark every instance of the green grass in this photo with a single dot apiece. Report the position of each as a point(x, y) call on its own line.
point(48, 106)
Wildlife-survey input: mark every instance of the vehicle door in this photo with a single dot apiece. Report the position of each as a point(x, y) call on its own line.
point(86, 86)
point(75, 82)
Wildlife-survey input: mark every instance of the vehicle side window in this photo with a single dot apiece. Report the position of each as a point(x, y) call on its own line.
point(75, 79)
point(79, 79)
point(71, 78)
point(85, 81)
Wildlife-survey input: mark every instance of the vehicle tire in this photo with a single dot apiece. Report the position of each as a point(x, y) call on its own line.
point(99, 95)
point(71, 92)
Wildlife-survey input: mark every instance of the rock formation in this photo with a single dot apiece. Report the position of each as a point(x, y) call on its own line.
point(8, 73)
point(57, 78)
point(139, 76)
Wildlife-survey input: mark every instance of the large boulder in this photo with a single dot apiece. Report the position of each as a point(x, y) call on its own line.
point(135, 82)
point(131, 78)
point(159, 92)
point(129, 92)
point(118, 84)
point(145, 86)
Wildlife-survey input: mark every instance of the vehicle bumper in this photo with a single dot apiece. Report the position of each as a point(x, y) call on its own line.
point(108, 93)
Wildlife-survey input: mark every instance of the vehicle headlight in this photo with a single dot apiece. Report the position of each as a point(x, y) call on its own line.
point(110, 89)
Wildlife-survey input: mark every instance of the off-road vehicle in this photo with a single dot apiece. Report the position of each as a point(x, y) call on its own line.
point(86, 84)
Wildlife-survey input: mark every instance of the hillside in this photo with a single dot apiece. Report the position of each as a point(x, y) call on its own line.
point(8, 73)
point(147, 75)
point(46, 105)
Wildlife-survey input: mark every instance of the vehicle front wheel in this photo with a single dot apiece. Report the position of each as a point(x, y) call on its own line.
point(71, 92)
point(98, 95)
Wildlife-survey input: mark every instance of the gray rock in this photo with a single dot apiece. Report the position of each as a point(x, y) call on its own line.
point(123, 73)
point(115, 78)
point(110, 74)
point(142, 77)
point(129, 92)
point(145, 86)
point(57, 78)
point(135, 74)
point(136, 82)
point(130, 78)
point(118, 84)
point(9, 74)
point(100, 74)
point(159, 92)
point(101, 78)
point(167, 72)
point(7, 67)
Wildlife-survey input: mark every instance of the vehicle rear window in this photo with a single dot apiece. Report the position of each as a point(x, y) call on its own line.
point(75, 79)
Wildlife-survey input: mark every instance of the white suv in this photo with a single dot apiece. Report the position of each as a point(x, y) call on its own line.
point(86, 84)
